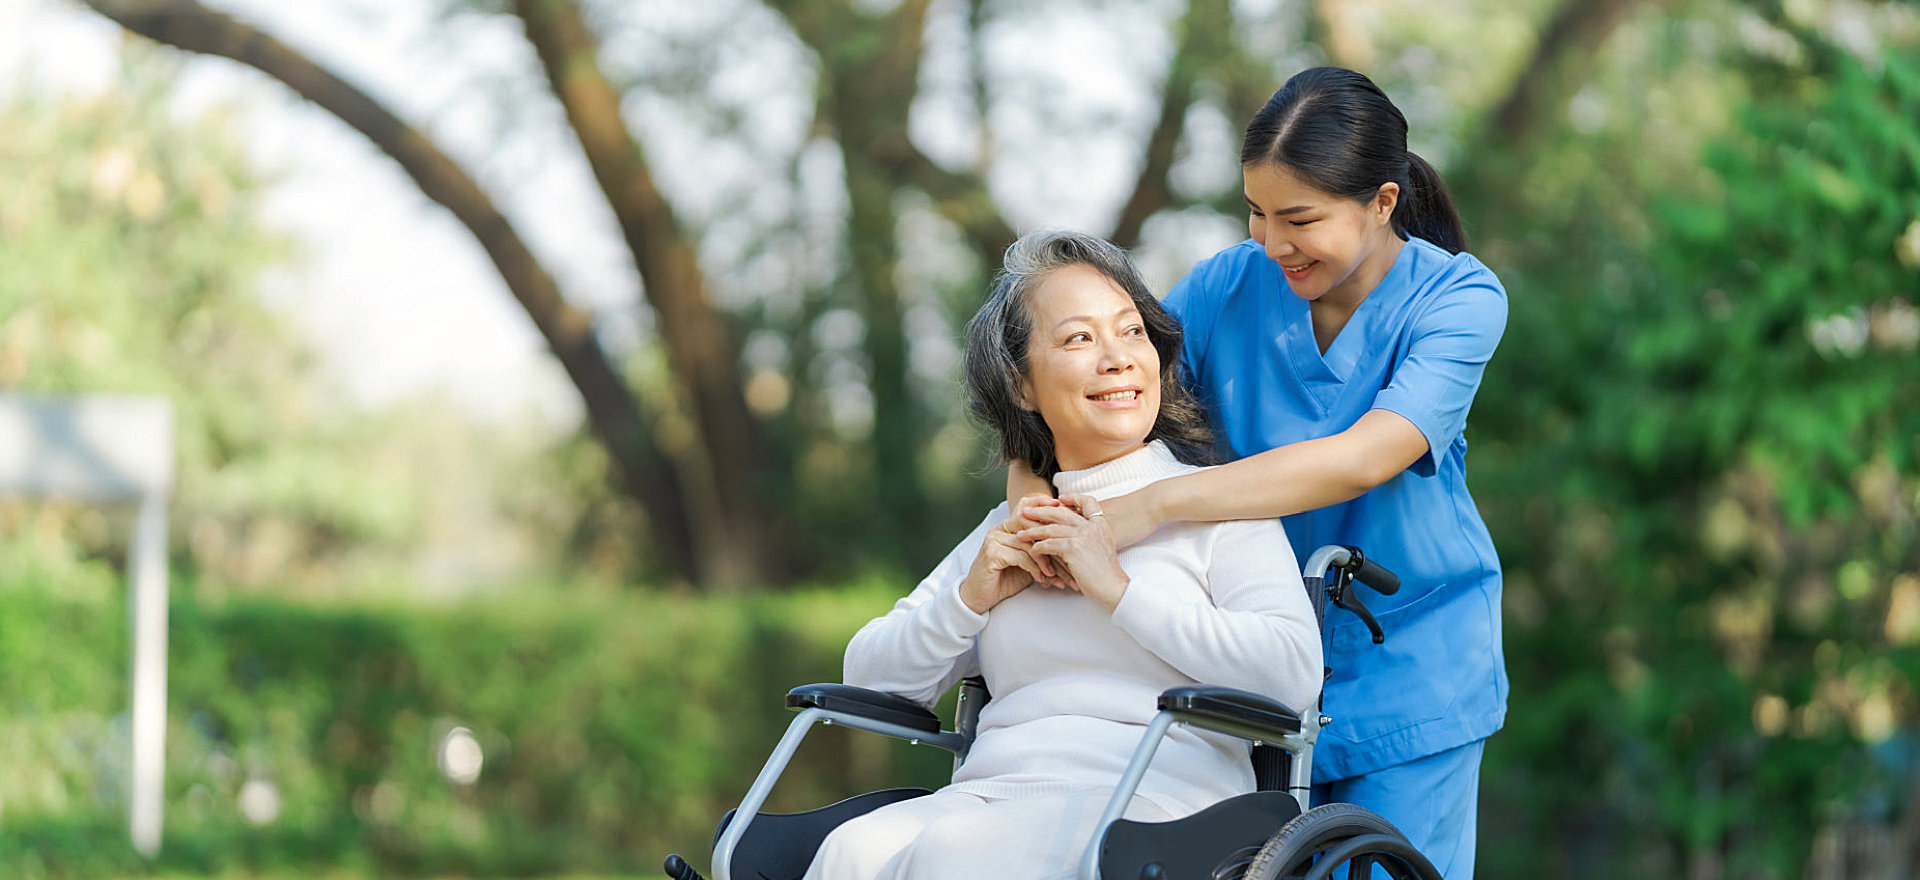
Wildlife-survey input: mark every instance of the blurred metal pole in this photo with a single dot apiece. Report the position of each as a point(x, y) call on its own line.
point(147, 562)
point(112, 448)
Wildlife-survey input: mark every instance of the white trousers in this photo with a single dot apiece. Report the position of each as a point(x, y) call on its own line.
point(951, 835)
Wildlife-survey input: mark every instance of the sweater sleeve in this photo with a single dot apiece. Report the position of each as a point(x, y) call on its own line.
point(925, 645)
point(1258, 633)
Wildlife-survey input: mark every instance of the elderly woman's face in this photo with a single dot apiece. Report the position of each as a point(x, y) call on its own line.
point(1093, 373)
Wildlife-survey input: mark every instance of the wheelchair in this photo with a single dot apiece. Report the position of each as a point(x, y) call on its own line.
point(1267, 834)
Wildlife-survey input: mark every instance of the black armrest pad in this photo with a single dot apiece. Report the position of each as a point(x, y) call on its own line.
point(864, 703)
point(1230, 704)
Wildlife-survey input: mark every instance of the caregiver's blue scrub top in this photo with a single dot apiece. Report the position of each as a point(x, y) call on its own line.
point(1416, 346)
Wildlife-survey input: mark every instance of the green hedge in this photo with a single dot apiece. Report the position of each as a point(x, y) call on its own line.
point(613, 728)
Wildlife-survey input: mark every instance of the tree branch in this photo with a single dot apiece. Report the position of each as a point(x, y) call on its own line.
point(729, 522)
point(962, 198)
point(1561, 61)
point(1333, 28)
point(612, 411)
point(1205, 35)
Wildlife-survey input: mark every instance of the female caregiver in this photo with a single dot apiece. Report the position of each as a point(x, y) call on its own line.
point(1344, 405)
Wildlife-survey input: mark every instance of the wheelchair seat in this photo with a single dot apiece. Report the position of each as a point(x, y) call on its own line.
point(780, 846)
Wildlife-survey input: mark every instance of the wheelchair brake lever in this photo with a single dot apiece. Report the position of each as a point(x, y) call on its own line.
point(1342, 596)
point(1373, 626)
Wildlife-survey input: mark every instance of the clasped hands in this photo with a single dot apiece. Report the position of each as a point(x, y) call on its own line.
point(1057, 543)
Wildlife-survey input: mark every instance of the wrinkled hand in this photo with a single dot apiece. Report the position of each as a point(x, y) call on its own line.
point(1003, 567)
point(1074, 533)
point(1051, 573)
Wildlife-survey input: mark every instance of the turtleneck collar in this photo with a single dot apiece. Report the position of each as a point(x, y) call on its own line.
point(1122, 475)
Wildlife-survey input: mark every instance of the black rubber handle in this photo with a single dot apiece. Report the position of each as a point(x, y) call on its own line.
point(678, 869)
point(1374, 575)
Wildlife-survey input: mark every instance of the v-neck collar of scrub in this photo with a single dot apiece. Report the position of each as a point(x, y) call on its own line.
point(1326, 373)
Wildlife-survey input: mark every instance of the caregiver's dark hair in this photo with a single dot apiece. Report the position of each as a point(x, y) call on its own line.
point(998, 336)
point(1336, 130)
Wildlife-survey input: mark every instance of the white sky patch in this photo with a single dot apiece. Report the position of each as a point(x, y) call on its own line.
point(394, 293)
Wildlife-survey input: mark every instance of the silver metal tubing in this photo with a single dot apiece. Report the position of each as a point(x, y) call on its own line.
point(966, 718)
point(783, 753)
point(1123, 793)
point(1300, 769)
point(946, 740)
point(1324, 558)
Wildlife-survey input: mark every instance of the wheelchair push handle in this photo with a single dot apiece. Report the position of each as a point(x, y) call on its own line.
point(678, 869)
point(1349, 564)
point(1373, 574)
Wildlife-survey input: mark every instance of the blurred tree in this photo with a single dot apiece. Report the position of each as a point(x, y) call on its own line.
point(733, 494)
point(1701, 465)
point(133, 251)
point(1697, 447)
point(712, 517)
point(135, 259)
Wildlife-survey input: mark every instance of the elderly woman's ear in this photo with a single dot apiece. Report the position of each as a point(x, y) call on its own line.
point(1023, 392)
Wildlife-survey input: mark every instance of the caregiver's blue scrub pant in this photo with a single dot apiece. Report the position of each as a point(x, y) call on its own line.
point(1433, 801)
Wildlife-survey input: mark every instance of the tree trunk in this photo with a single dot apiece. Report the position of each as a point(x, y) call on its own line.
point(1336, 30)
point(613, 413)
point(1562, 60)
point(1206, 37)
point(731, 532)
point(868, 91)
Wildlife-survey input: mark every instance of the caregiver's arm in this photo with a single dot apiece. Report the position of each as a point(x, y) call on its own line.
point(1281, 481)
point(1022, 484)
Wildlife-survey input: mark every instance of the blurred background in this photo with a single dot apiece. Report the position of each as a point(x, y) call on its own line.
point(557, 382)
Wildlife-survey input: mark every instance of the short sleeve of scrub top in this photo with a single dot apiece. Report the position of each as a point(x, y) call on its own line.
point(1451, 341)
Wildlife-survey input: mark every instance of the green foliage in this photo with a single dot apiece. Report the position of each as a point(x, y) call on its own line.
point(1704, 487)
point(133, 257)
point(133, 262)
point(613, 730)
point(1697, 451)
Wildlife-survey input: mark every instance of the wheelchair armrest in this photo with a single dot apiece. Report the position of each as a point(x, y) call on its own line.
point(865, 703)
point(1231, 711)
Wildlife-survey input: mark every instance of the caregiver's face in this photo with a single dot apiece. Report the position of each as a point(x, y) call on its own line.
point(1329, 247)
point(1093, 373)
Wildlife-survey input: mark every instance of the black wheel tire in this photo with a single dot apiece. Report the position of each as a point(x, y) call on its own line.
point(1293, 851)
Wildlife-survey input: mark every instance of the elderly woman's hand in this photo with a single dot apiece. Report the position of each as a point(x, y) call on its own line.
point(1074, 533)
point(1049, 573)
point(1002, 569)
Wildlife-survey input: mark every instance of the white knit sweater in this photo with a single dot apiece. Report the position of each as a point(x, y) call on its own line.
point(1073, 687)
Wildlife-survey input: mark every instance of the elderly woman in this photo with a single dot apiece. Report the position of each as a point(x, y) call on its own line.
point(1071, 362)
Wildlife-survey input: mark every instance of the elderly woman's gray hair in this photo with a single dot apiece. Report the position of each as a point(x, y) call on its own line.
point(999, 334)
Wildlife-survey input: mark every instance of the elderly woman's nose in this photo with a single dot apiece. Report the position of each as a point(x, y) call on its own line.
point(1115, 358)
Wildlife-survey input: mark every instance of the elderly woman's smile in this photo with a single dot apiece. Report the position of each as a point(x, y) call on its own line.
point(1093, 373)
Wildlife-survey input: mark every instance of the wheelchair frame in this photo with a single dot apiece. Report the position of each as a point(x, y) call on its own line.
point(1248, 716)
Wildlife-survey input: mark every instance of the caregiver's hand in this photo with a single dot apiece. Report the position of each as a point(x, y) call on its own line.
point(1130, 516)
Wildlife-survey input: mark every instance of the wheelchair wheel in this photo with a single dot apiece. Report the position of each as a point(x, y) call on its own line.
point(1317, 842)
